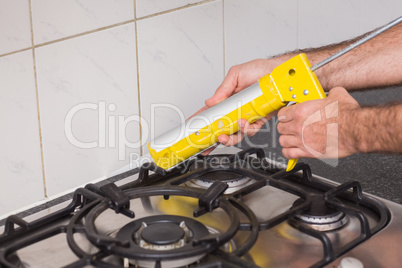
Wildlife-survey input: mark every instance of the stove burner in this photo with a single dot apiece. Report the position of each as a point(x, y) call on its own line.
point(319, 216)
point(162, 233)
point(163, 230)
point(264, 237)
point(233, 179)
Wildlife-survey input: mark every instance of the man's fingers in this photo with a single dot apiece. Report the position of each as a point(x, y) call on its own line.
point(286, 114)
point(209, 150)
point(199, 111)
point(251, 129)
point(245, 129)
point(336, 91)
point(225, 90)
point(288, 141)
point(293, 153)
point(220, 95)
point(223, 139)
point(232, 139)
point(286, 129)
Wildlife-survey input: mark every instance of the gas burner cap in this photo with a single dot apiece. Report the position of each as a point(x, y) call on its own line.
point(319, 216)
point(164, 233)
point(167, 233)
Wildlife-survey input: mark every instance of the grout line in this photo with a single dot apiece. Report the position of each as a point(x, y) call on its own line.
point(84, 33)
point(17, 51)
point(37, 101)
point(102, 28)
point(93, 31)
point(138, 74)
point(65, 38)
point(224, 40)
point(175, 9)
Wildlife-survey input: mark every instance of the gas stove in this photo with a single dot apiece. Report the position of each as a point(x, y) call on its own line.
point(226, 210)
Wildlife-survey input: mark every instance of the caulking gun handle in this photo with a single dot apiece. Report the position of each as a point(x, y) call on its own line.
point(291, 164)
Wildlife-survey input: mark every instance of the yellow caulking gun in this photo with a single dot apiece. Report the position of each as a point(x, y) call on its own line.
point(292, 81)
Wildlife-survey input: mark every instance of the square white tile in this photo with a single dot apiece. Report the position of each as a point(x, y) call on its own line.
point(20, 157)
point(149, 7)
point(375, 13)
point(327, 22)
point(58, 19)
point(180, 64)
point(258, 29)
point(86, 85)
point(15, 29)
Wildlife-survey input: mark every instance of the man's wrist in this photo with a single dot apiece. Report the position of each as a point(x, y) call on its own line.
point(349, 137)
point(359, 125)
point(376, 129)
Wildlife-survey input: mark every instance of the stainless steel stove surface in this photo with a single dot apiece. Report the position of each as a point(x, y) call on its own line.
point(235, 210)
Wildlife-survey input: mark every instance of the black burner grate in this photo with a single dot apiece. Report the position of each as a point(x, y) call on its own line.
point(90, 202)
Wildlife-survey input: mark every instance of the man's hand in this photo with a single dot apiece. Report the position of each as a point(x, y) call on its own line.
point(238, 78)
point(319, 128)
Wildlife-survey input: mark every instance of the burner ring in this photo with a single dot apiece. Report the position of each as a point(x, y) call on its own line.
point(128, 249)
point(320, 223)
point(328, 219)
point(319, 216)
point(218, 168)
point(162, 232)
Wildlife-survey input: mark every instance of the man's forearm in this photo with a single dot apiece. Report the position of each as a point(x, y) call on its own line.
point(375, 129)
point(376, 63)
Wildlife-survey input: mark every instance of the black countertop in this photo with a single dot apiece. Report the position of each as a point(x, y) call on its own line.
point(379, 174)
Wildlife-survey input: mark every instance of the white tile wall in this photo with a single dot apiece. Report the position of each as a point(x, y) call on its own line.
point(180, 62)
point(57, 19)
point(326, 22)
point(96, 69)
point(148, 7)
point(375, 13)
point(184, 49)
point(15, 28)
point(21, 180)
point(258, 29)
